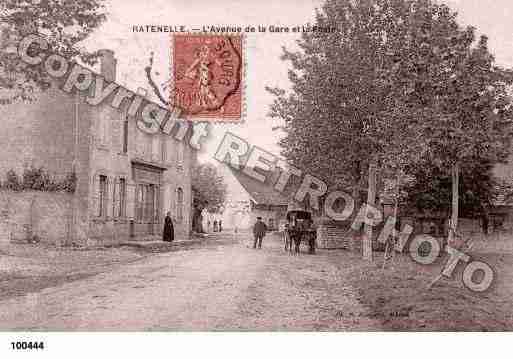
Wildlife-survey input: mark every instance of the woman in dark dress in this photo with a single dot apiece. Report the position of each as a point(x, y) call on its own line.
point(169, 231)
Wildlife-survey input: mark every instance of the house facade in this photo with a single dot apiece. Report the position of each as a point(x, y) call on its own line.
point(127, 180)
point(255, 199)
point(237, 205)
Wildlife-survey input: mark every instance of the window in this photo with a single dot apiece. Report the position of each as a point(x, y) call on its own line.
point(125, 136)
point(139, 202)
point(179, 155)
point(179, 204)
point(115, 198)
point(122, 197)
point(102, 196)
point(119, 198)
point(146, 203)
point(156, 205)
point(149, 205)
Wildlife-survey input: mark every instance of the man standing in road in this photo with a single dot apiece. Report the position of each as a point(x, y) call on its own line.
point(259, 230)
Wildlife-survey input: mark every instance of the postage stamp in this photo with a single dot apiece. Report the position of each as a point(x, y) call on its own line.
point(208, 76)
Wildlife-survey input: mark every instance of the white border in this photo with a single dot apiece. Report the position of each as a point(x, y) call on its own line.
point(258, 345)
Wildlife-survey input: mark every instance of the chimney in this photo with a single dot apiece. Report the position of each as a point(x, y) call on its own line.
point(108, 64)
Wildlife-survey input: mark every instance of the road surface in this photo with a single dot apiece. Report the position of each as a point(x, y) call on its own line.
point(223, 285)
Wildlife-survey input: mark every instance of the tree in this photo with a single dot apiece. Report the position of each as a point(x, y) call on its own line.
point(398, 82)
point(444, 72)
point(64, 23)
point(340, 93)
point(332, 104)
point(210, 190)
point(431, 191)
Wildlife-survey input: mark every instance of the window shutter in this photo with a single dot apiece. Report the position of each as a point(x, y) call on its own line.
point(115, 198)
point(108, 197)
point(122, 197)
point(179, 204)
point(95, 207)
point(175, 209)
point(130, 201)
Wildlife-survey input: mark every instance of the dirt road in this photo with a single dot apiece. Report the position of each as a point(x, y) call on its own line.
point(226, 285)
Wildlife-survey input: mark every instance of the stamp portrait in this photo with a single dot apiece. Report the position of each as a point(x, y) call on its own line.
point(208, 75)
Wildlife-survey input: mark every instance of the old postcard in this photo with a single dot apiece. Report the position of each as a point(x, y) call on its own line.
point(265, 166)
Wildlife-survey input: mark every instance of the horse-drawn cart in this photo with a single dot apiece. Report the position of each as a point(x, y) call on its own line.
point(299, 228)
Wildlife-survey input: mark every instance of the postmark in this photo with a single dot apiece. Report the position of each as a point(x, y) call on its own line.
point(208, 76)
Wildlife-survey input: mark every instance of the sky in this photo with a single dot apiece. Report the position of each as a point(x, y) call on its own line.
point(263, 50)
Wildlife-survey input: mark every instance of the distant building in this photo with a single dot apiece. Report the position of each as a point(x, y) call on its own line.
point(501, 215)
point(126, 179)
point(260, 200)
point(236, 214)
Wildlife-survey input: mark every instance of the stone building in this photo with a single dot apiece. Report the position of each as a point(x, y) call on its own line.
point(126, 179)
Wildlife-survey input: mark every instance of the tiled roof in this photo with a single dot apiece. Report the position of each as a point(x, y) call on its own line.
point(261, 193)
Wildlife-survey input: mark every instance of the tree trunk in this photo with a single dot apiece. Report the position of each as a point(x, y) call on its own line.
point(485, 224)
point(455, 174)
point(371, 199)
point(396, 199)
point(355, 242)
point(390, 242)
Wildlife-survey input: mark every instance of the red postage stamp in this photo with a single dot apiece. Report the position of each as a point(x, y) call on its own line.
point(207, 72)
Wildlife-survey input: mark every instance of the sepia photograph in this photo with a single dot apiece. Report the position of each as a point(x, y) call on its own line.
point(299, 175)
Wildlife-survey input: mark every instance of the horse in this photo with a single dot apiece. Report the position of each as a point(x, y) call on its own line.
point(290, 238)
point(295, 235)
point(299, 226)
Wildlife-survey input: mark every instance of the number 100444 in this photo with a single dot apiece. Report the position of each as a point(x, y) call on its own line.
point(27, 345)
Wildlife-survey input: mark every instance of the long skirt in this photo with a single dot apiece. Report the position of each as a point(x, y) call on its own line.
point(169, 233)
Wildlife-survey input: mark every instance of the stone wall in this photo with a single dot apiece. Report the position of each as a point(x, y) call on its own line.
point(52, 132)
point(46, 216)
point(333, 235)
